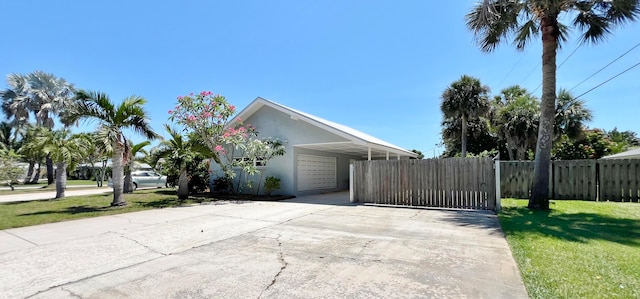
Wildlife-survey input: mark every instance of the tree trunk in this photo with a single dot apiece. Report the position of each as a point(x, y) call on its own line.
point(36, 175)
point(128, 180)
point(464, 137)
point(118, 180)
point(540, 191)
point(61, 179)
point(49, 170)
point(183, 185)
point(27, 179)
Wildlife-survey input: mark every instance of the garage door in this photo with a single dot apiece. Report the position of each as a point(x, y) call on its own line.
point(316, 172)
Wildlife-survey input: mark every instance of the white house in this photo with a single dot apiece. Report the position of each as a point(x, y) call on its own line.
point(318, 151)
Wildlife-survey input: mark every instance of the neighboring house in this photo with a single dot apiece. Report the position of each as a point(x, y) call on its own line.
point(630, 154)
point(318, 152)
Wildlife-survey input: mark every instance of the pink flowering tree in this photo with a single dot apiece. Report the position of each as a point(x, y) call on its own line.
point(236, 145)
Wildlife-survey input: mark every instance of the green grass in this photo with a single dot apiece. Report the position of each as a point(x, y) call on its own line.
point(42, 187)
point(19, 214)
point(579, 249)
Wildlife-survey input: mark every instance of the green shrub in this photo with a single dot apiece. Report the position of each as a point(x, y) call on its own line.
point(271, 184)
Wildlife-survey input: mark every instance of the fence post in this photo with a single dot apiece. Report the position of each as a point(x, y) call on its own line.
point(497, 172)
point(351, 197)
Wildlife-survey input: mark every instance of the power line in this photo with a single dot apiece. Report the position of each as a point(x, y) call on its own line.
point(604, 67)
point(588, 91)
point(561, 63)
point(513, 68)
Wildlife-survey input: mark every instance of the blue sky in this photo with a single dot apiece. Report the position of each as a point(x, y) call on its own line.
point(377, 66)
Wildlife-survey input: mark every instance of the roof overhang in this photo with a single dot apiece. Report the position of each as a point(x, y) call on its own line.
point(364, 151)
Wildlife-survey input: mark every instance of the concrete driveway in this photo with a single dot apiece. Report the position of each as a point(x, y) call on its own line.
point(309, 247)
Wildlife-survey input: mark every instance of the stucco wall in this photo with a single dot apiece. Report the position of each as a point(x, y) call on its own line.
point(272, 123)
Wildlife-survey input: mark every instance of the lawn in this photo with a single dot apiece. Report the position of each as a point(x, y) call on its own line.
point(42, 186)
point(18, 214)
point(579, 249)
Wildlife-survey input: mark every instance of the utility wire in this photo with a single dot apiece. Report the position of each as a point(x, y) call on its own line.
point(513, 68)
point(561, 63)
point(604, 67)
point(588, 91)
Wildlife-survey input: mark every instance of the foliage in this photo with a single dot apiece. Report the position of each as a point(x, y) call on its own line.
point(271, 184)
point(515, 118)
point(222, 185)
point(479, 139)
point(580, 249)
point(465, 99)
point(492, 21)
point(622, 141)
point(10, 170)
point(419, 153)
point(131, 151)
point(571, 115)
point(112, 120)
point(593, 144)
point(235, 145)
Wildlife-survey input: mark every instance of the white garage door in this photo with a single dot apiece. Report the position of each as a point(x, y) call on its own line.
point(316, 172)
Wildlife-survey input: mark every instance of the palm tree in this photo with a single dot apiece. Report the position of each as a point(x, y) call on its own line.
point(64, 149)
point(515, 119)
point(465, 99)
point(181, 153)
point(495, 20)
point(571, 114)
point(33, 153)
point(42, 94)
point(112, 120)
point(131, 151)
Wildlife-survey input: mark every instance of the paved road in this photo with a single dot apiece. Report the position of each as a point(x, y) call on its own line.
point(38, 195)
point(309, 247)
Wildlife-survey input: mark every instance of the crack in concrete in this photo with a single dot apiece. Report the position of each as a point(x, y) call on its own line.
point(71, 292)
point(415, 215)
point(282, 268)
point(21, 238)
point(143, 245)
point(91, 276)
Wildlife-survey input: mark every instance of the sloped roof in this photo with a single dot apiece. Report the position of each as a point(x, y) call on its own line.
point(630, 154)
point(358, 142)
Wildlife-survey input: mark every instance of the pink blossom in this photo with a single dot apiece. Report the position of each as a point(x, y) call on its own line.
point(179, 97)
point(170, 111)
point(206, 114)
point(233, 108)
point(219, 148)
point(191, 118)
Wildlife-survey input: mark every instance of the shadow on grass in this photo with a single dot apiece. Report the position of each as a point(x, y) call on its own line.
point(575, 227)
point(70, 211)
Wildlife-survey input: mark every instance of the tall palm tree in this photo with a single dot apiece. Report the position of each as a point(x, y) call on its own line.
point(33, 153)
point(64, 149)
point(465, 99)
point(112, 120)
point(131, 151)
point(492, 21)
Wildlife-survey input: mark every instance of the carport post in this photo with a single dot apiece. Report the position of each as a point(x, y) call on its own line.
point(351, 197)
point(497, 167)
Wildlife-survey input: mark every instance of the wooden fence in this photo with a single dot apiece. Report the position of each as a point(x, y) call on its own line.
point(613, 180)
point(446, 183)
point(619, 180)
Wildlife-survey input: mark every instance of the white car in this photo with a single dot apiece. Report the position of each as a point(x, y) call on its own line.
point(142, 179)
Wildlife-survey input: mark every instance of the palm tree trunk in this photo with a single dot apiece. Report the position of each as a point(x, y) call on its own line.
point(61, 179)
point(27, 179)
point(183, 185)
point(464, 137)
point(128, 180)
point(540, 191)
point(118, 181)
point(50, 170)
point(36, 174)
